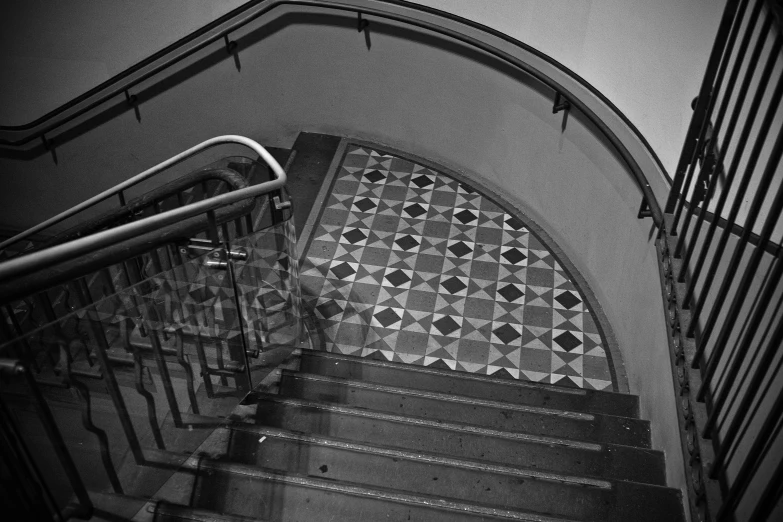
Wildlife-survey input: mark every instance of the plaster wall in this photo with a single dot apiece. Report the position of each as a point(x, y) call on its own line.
point(416, 93)
point(51, 52)
point(647, 57)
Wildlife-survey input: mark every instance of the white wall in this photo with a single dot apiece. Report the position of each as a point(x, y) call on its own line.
point(52, 51)
point(647, 56)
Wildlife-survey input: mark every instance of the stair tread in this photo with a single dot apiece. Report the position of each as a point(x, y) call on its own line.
point(294, 496)
point(481, 386)
point(163, 511)
point(458, 440)
point(472, 481)
point(484, 412)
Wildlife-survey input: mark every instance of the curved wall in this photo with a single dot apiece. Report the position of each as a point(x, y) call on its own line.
point(416, 93)
point(647, 57)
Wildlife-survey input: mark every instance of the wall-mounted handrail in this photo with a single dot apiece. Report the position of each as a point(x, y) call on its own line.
point(121, 83)
point(30, 263)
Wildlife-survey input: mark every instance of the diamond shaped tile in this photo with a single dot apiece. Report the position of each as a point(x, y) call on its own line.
point(387, 317)
point(365, 204)
point(343, 270)
point(511, 293)
point(513, 256)
point(567, 341)
point(453, 285)
point(374, 176)
point(446, 325)
point(355, 236)
point(506, 333)
point(466, 216)
point(415, 210)
point(568, 299)
point(398, 278)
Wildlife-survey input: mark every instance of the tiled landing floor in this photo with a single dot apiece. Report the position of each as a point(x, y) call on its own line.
point(411, 265)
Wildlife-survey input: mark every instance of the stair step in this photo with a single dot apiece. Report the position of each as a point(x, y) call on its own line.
point(459, 440)
point(470, 384)
point(460, 408)
point(252, 491)
point(170, 512)
point(465, 480)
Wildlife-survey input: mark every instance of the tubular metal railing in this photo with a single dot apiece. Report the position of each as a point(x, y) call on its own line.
point(129, 357)
point(721, 268)
point(119, 87)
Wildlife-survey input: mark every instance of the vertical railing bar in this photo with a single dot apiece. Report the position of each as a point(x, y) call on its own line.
point(719, 161)
point(729, 91)
point(220, 362)
point(756, 307)
point(750, 462)
point(149, 315)
point(242, 326)
point(27, 356)
point(107, 280)
point(126, 325)
point(224, 229)
point(202, 360)
point(716, 54)
point(238, 228)
point(749, 169)
point(58, 444)
point(24, 454)
point(771, 495)
point(766, 232)
point(739, 298)
point(112, 386)
point(188, 371)
point(732, 431)
point(160, 360)
point(213, 229)
point(87, 423)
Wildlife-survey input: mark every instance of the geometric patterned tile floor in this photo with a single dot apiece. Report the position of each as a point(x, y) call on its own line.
point(411, 265)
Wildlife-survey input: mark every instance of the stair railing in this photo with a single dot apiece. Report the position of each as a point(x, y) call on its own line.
point(721, 268)
point(220, 31)
point(31, 263)
point(143, 342)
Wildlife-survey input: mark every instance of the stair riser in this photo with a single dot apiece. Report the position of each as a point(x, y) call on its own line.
point(611, 462)
point(614, 430)
point(569, 500)
point(572, 400)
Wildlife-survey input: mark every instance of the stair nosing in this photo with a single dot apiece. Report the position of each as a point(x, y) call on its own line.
point(458, 375)
point(461, 399)
point(377, 493)
point(464, 428)
point(421, 456)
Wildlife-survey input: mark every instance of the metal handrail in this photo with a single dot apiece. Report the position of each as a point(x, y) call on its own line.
point(27, 264)
point(121, 83)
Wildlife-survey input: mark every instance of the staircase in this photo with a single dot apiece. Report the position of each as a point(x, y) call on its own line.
point(344, 438)
point(325, 436)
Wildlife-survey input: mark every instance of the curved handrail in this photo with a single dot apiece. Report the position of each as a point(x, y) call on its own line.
point(121, 83)
point(26, 264)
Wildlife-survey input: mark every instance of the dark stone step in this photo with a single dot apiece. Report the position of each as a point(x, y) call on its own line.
point(256, 492)
point(469, 481)
point(468, 384)
point(170, 512)
point(459, 408)
point(459, 440)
